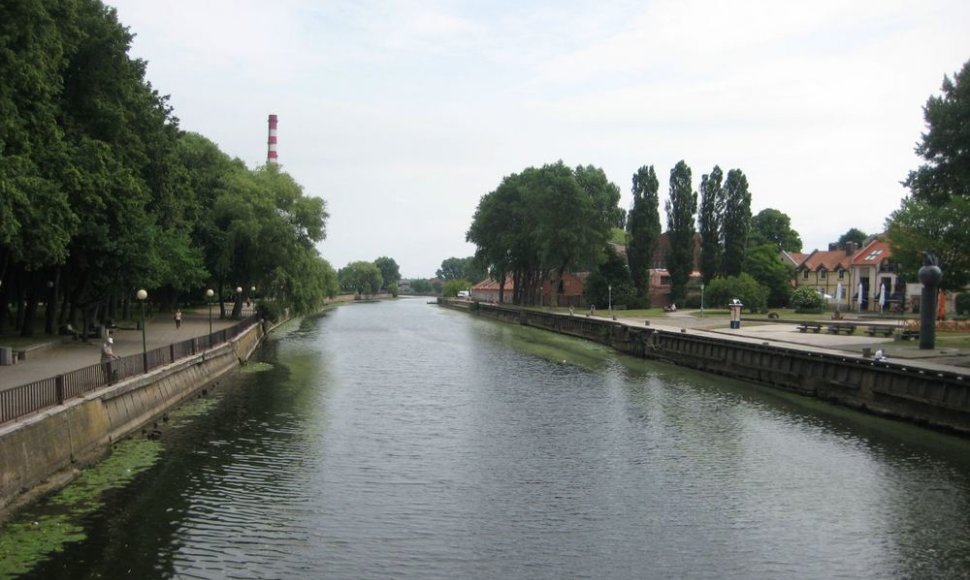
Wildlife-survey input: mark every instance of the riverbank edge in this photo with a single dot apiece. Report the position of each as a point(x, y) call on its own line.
point(933, 399)
point(46, 451)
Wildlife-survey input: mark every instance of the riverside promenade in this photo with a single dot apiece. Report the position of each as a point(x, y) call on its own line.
point(61, 354)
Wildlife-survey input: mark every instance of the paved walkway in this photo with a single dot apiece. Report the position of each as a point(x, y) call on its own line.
point(67, 355)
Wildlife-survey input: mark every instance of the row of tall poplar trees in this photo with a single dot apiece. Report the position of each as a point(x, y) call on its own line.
point(724, 222)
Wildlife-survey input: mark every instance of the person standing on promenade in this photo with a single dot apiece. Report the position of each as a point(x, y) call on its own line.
point(178, 318)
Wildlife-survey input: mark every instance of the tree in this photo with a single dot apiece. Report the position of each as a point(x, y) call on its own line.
point(610, 279)
point(643, 225)
point(771, 226)
point(853, 235)
point(752, 295)
point(421, 286)
point(457, 268)
point(453, 287)
point(737, 222)
point(390, 273)
point(763, 264)
point(935, 215)
point(709, 222)
point(945, 145)
point(543, 221)
point(680, 207)
point(361, 278)
point(919, 225)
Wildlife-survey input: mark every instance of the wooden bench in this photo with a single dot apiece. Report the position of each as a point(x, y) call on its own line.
point(836, 328)
point(886, 331)
point(813, 326)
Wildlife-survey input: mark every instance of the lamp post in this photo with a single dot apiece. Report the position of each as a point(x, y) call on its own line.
point(142, 295)
point(702, 300)
point(208, 298)
point(252, 296)
point(610, 303)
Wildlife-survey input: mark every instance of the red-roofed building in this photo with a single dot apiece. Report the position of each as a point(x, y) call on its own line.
point(862, 273)
point(488, 290)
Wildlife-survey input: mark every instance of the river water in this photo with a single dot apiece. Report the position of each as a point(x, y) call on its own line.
point(402, 440)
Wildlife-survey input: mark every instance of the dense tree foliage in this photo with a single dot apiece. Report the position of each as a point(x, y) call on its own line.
point(771, 226)
point(721, 291)
point(421, 286)
point(709, 222)
point(610, 283)
point(102, 194)
point(936, 216)
point(457, 268)
point(737, 222)
point(854, 235)
point(453, 287)
point(361, 278)
point(681, 206)
point(643, 225)
point(390, 272)
point(763, 263)
point(541, 222)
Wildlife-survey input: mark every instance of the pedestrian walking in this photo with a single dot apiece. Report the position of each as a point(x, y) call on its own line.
point(178, 318)
point(107, 354)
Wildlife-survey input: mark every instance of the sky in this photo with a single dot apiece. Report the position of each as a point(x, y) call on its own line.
point(403, 114)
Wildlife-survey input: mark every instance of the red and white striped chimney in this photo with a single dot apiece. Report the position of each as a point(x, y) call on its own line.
point(271, 158)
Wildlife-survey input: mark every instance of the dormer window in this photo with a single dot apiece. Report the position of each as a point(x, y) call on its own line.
point(841, 274)
point(805, 274)
point(823, 274)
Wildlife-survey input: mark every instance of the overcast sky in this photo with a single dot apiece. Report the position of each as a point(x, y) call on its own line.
point(402, 114)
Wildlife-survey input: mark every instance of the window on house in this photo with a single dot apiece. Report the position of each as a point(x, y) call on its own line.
point(804, 274)
point(822, 274)
point(841, 274)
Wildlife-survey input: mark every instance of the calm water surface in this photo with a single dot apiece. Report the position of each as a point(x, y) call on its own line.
point(400, 440)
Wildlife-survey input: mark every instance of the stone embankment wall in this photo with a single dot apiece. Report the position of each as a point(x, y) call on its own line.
point(893, 389)
point(44, 451)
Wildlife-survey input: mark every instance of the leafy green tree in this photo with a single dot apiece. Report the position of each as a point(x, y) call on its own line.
point(643, 225)
point(453, 287)
point(451, 269)
point(540, 221)
point(919, 225)
point(362, 278)
point(680, 207)
point(946, 144)
point(935, 216)
point(854, 235)
point(721, 291)
point(771, 226)
point(390, 273)
point(610, 278)
point(807, 299)
point(737, 222)
point(709, 222)
point(421, 286)
point(763, 264)
point(393, 290)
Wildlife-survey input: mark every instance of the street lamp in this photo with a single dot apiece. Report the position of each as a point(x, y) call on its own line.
point(610, 288)
point(252, 296)
point(142, 295)
point(702, 300)
point(208, 298)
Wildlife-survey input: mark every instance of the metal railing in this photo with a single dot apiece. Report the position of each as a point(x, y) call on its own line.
point(52, 391)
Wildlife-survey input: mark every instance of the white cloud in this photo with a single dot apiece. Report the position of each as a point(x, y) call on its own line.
point(402, 113)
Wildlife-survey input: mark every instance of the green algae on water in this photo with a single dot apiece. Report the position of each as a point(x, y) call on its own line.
point(48, 526)
point(256, 367)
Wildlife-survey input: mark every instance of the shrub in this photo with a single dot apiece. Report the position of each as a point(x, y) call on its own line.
point(722, 291)
point(807, 299)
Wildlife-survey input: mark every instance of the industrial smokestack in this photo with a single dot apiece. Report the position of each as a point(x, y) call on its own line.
point(271, 142)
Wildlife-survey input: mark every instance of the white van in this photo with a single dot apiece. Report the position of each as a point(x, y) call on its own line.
point(464, 294)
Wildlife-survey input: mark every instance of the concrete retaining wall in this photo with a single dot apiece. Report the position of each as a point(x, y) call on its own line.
point(892, 389)
point(46, 450)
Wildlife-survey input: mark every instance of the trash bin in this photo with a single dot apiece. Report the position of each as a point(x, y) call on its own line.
point(6, 355)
